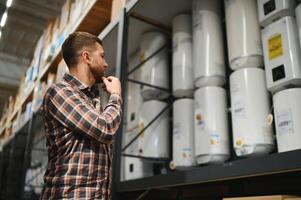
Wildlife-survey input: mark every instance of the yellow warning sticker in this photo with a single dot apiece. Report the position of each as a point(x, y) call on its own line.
point(142, 57)
point(141, 127)
point(275, 46)
point(213, 141)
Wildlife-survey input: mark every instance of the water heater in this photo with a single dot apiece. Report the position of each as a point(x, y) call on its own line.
point(282, 54)
point(133, 105)
point(250, 108)
point(243, 34)
point(182, 71)
point(211, 125)
point(287, 112)
point(208, 43)
point(298, 19)
point(272, 10)
point(183, 134)
point(155, 140)
point(154, 71)
point(136, 168)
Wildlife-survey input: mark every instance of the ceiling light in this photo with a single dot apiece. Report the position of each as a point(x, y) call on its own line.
point(3, 19)
point(9, 3)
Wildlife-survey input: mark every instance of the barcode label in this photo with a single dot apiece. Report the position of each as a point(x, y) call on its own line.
point(284, 122)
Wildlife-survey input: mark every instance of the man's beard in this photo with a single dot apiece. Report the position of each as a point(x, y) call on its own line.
point(97, 75)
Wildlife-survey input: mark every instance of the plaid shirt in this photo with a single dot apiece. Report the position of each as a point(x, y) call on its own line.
point(80, 141)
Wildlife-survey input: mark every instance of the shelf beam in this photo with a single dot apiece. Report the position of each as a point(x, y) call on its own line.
point(276, 163)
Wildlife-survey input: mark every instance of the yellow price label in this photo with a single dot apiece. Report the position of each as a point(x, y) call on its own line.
point(275, 46)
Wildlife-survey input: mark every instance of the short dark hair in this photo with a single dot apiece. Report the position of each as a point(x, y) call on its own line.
point(75, 43)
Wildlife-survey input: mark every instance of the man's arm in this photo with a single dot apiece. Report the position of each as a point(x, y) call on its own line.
point(73, 112)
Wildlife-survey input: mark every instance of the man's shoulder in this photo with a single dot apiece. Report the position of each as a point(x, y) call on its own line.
point(57, 88)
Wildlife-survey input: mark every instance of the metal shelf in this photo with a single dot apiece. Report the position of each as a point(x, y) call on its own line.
point(109, 39)
point(249, 167)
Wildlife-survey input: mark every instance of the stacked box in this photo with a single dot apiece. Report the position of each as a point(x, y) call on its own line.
point(117, 6)
point(61, 70)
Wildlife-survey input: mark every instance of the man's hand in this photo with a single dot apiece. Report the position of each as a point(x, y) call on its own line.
point(112, 85)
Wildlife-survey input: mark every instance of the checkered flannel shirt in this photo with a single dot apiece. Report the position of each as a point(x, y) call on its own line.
point(80, 136)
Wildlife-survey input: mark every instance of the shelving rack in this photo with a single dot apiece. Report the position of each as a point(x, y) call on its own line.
point(277, 173)
point(17, 148)
point(237, 177)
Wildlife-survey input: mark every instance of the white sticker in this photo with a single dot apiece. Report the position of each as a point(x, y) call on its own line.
point(197, 20)
point(284, 122)
point(238, 102)
point(176, 131)
point(239, 109)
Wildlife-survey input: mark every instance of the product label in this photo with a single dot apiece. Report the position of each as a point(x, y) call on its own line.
point(275, 46)
point(238, 103)
point(176, 131)
point(284, 122)
point(215, 138)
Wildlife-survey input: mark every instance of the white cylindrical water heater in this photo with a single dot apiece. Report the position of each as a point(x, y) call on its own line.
point(133, 105)
point(282, 52)
point(183, 134)
point(271, 10)
point(136, 168)
point(208, 44)
point(212, 143)
point(154, 142)
point(298, 19)
point(154, 71)
point(250, 108)
point(182, 79)
point(287, 112)
point(243, 34)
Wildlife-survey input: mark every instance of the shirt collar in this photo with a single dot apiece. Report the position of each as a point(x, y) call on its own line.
point(72, 80)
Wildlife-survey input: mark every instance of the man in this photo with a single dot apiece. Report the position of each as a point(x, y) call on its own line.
point(79, 130)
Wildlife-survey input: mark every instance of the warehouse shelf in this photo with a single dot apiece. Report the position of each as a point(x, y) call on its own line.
point(23, 128)
point(249, 167)
point(144, 15)
point(93, 20)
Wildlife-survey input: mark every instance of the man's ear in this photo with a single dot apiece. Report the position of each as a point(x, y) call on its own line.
point(85, 56)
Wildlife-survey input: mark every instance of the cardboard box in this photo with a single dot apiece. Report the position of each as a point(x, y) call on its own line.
point(50, 79)
point(65, 16)
point(61, 70)
point(117, 6)
point(76, 11)
point(48, 34)
point(11, 104)
point(274, 197)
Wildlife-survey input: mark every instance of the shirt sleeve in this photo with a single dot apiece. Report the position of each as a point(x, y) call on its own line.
point(71, 110)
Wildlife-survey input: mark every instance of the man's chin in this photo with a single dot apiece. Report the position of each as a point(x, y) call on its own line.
point(98, 79)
